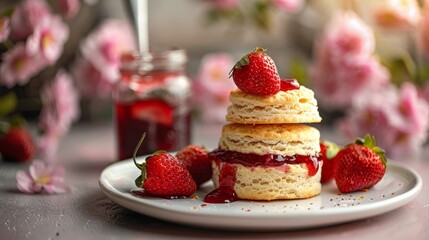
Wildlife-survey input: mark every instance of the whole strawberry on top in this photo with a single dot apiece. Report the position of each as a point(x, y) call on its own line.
point(359, 165)
point(256, 73)
point(16, 142)
point(328, 151)
point(196, 160)
point(164, 176)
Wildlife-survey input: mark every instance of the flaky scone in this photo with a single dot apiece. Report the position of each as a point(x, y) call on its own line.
point(290, 181)
point(292, 106)
point(283, 139)
point(268, 162)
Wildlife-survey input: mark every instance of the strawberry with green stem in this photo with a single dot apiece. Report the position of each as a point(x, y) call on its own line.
point(359, 165)
point(163, 175)
point(256, 73)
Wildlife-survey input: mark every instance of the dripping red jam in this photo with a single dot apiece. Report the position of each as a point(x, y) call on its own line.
point(224, 159)
point(288, 84)
point(267, 160)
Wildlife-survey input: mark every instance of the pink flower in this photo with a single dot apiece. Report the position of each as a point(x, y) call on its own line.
point(26, 16)
point(397, 14)
point(213, 85)
point(344, 67)
point(90, 81)
point(423, 31)
point(60, 109)
point(348, 38)
point(337, 85)
point(48, 38)
point(69, 8)
point(19, 66)
point(4, 29)
point(288, 5)
point(398, 119)
point(41, 178)
point(104, 47)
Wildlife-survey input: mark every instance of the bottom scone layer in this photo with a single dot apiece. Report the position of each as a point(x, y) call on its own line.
point(286, 181)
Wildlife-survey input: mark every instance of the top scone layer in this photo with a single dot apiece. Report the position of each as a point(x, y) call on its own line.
point(293, 106)
point(283, 139)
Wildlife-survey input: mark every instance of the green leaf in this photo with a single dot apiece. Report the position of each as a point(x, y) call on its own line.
point(8, 103)
point(4, 128)
point(17, 121)
point(370, 142)
point(139, 181)
point(299, 70)
point(332, 150)
point(7, 13)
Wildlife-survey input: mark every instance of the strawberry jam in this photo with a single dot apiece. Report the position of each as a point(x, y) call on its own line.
point(165, 129)
point(153, 96)
point(288, 84)
point(224, 160)
point(225, 192)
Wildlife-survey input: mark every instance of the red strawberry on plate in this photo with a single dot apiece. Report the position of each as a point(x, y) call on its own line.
point(164, 176)
point(359, 165)
point(17, 145)
point(196, 160)
point(328, 151)
point(154, 111)
point(256, 73)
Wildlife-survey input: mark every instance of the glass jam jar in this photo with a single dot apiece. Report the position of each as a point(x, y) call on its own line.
point(153, 96)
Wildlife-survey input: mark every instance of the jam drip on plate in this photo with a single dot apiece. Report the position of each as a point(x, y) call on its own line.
point(225, 193)
point(224, 159)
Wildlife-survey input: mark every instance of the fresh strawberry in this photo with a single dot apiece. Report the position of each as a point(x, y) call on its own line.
point(360, 165)
point(256, 74)
point(164, 176)
point(328, 151)
point(154, 111)
point(17, 145)
point(196, 160)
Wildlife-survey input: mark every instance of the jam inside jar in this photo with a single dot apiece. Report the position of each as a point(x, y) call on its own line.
point(153, 96)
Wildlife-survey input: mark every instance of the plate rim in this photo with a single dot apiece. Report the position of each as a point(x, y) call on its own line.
point(370, 209)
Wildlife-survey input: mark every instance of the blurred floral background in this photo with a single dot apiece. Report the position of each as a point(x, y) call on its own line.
point(367, 61)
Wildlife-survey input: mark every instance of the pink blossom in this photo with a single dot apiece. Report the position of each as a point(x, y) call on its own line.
point(90, 81)
point(288, 5)
point(423, 32)
point(69, 8)
point(19, 66)
point(213, 85)
point(26, 16)
point(41, 178)
point(397, 14)
point(348, 38)
point(224, 4)
point(344, 67)
point(60, 109)
point(104, 47)
point(398, 119)
point(48, 38)
point(4, 29)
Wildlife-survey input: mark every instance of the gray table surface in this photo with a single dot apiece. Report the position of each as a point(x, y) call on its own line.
point(85, 213)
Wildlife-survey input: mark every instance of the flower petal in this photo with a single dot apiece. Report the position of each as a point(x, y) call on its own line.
point(37, 168)
point(24, 182)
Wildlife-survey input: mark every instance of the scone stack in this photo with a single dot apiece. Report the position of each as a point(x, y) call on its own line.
point(266, 153)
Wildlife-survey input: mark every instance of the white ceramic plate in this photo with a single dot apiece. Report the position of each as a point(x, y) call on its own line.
point(399, 186)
